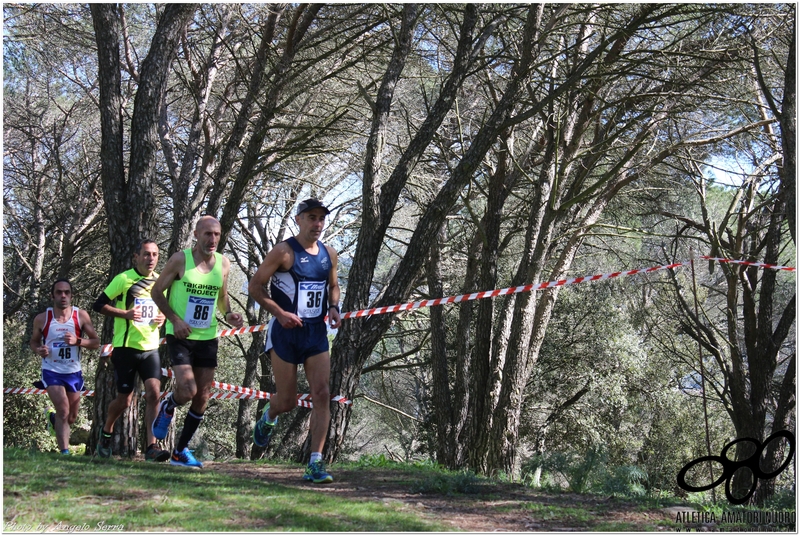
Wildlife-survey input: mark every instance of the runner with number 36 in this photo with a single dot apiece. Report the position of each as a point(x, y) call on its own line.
point(303, 289)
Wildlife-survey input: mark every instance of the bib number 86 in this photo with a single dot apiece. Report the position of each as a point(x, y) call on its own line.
point(201, 312)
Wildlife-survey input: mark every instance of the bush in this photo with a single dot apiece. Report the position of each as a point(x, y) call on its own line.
point(586, 472)
point(625, 481)
point(373, 461)
point(576, 468)
point(24, 424)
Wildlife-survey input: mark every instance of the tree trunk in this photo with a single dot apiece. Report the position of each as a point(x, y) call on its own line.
point(247, 407)
point(788, 131)
point(441, 398)
point(357, 337)
point(132, 198)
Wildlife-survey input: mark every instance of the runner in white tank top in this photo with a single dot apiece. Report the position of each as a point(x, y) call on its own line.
point(58, 338)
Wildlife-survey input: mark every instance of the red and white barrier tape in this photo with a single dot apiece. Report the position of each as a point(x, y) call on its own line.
point(540, 286)
point(745, 263)
point(39, 391)
point(303, 400)
point(106, 349)
point(232, 392)
point(235, 392)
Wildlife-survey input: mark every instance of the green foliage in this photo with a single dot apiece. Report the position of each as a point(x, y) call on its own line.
point(374, 461)
point(577, 469)
point(432, 478)
point(587, 472)
point(24, 425)
point(784, 499)
point(626, 480)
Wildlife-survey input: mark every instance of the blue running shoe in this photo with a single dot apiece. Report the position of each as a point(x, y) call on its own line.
point(185, 458)
point(263, 430)
point(162, 421)
point(316, 473)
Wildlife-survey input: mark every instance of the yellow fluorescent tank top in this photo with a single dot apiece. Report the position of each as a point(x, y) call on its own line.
point(127, 290)
point(193, 297)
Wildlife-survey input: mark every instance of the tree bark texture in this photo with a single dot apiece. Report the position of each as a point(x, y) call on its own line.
point(129, 197)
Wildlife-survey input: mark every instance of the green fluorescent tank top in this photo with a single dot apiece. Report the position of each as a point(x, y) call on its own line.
point(193, 297)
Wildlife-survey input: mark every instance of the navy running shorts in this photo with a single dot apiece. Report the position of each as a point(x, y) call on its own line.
point(72, 382)
point(296, 345)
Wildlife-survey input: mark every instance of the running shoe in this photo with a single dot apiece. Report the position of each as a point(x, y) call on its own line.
point(49, 414)
point(156, 455)
point(104, 450)
point(316, 473)
point(162, 421)
point(263, 430)
point(185, 458)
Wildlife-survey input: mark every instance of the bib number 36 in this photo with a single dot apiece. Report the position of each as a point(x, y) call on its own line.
point(309, 302)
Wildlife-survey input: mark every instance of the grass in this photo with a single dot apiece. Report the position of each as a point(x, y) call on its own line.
point(50, 492)
point(45, 490)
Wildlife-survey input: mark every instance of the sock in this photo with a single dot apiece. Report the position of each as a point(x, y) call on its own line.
point(267, 419)
point(315, 456)
point(169, 403)
point(65, 452)
point(190, 425)
point(105, 438)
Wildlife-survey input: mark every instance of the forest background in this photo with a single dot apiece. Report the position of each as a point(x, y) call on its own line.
point(460, 148)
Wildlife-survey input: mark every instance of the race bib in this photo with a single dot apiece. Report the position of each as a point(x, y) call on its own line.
point(61, 351)
point(199, 312)
point(148, 311)
point(309, 299)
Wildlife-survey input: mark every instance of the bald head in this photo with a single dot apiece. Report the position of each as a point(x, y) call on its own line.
point(206, 220)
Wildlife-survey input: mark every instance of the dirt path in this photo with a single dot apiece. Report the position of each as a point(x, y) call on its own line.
point(496, 507)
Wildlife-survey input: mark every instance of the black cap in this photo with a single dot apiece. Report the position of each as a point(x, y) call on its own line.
point(308, 204)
